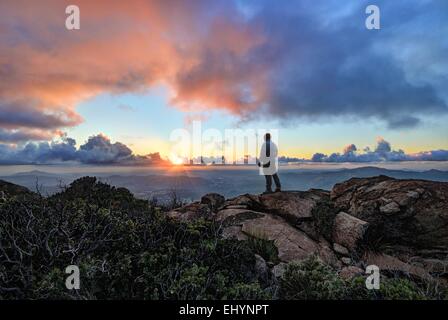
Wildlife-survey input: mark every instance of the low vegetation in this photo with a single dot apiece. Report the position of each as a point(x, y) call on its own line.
point(313, 280)
point(126, 248)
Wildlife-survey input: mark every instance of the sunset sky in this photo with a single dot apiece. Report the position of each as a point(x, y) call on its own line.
point(137, 70)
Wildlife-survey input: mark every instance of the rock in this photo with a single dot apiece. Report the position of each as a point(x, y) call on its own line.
point(389, 208)
point(391, 264)
point(348, 273)
point(279, 269)
point(294, 205)
point(237, 206)
point(292, 244)
point(249, 201)
point(234, 216)
point(261, 268)
point(213, 200)
point(410, 213)
point(233, 232)
point(190, 212)
point(340, 249)
point(347, 261)
point(348, 230)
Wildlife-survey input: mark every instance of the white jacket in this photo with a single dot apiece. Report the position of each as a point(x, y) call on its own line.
point(269, 159)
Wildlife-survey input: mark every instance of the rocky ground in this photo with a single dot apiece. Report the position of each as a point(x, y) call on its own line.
point(401, 226)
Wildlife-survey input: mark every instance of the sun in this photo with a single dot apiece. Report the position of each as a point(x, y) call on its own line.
point(176, 160)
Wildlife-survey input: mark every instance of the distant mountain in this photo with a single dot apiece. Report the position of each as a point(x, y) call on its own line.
point(227, 181)
point(304, 180)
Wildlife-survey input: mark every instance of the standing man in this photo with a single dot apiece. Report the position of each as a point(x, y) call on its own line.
point(268, 163)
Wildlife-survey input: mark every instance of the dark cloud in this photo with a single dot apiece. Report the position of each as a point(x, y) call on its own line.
point(24, 134)
point(382, 152)
point(22, 113)
point(328, 64)
point(97, 150)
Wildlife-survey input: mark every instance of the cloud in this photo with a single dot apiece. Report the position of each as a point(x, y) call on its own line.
point(291, 61)
point(97, 150)
point(382, 152)
point(14, 135)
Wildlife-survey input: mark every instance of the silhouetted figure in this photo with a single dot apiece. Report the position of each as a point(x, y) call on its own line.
point(268, 163)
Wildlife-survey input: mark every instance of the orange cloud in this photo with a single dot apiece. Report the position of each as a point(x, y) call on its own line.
point(198, 48)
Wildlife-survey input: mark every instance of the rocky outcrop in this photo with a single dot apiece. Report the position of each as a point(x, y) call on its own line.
point(399, 225)
point(412, 214)
point(294, 206)
point(203, 209)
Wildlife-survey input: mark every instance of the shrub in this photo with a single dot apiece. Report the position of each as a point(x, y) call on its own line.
point(311, 280)
point(265, 248)
point(124, 247)
point(399, 289)
point(391, 289)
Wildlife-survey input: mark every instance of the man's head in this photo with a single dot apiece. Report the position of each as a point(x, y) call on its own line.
point(267, 137)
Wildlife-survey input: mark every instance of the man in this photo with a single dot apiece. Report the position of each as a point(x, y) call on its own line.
point(269, 163)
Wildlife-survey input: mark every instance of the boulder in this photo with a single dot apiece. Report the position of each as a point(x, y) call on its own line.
point(292, 244)
point(410, 213)
point(294, 206)
point(213, 200)
point(348, 230)
point(340, 249)
point(247, 201)
point(231, 217)
point(190, 212)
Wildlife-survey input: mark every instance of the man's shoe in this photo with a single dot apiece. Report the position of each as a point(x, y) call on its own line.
point(278, 190)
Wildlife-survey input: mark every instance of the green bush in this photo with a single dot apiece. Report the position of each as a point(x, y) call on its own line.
point(311, 280)
point(124, 247)
point(265, 248)
point(400, 289)
point(390, 289)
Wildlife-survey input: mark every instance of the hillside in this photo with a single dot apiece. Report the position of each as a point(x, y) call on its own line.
point(311, 244)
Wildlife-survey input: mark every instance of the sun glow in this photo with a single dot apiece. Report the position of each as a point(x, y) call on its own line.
point(176, 160)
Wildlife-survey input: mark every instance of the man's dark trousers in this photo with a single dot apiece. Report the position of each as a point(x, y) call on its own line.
point(269, 182)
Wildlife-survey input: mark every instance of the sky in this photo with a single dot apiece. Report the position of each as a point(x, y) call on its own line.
point(114, 90)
